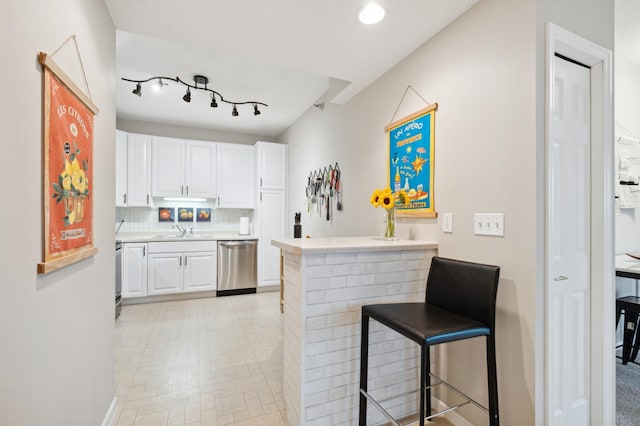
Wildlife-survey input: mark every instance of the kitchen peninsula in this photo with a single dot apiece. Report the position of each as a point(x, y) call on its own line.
point(326, 282)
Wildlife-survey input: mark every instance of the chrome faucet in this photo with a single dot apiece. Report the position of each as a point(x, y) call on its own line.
point(180, 228)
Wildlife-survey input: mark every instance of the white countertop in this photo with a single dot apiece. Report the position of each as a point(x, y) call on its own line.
point(142, 237)
point(349, 244)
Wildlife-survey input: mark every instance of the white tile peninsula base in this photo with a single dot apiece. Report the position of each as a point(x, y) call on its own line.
point(326, 283)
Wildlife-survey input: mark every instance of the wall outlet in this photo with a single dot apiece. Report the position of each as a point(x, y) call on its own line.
point(447, 222)
point(489, 224)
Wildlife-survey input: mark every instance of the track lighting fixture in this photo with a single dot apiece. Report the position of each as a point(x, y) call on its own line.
point(187, 96)
point(200, 82)
point(158, 86)
point(137, 90)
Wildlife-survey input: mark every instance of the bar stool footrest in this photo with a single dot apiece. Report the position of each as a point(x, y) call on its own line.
point(394, 422)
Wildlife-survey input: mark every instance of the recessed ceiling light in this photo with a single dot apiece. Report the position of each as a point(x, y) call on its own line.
point(371, 14)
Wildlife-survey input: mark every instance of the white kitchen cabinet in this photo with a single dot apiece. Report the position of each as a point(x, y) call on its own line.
point(121, 168)
point(183, 168)
point(168, 167)
point(134, 270)
point(182, 266)
point(165, 273)
point(271, 161)
point(200, 169)
point(235, 176)
point(271, 222)
point(133, 170)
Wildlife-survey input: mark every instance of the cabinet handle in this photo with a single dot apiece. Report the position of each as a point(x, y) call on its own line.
point(187, 189)
point(218, 202)
point(124, 198)
point(180, 260)
point(185, 261)
point(147, 199)
point(260, 182)
point(261, 197)
point(181, 190)
point(144, 251)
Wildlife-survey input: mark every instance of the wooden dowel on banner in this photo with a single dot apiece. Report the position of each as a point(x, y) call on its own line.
point(46, 61)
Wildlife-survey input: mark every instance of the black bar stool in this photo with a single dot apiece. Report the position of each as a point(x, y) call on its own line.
point(631, 339)
point(460, 304)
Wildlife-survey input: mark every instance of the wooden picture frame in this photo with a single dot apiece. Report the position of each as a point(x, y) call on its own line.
point(411, 147)
point(67, 170)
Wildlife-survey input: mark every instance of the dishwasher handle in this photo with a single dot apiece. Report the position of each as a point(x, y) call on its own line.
point(237, 243)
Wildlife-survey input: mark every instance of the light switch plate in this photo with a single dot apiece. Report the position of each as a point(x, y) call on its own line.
point(489, 224)
point(447, 222)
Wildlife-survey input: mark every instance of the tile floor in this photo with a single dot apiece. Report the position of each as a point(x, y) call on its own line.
point(213, 362)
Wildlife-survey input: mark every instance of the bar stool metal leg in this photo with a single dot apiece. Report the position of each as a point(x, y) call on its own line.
point(423, 381)
point(364, 365)
point(492, 376)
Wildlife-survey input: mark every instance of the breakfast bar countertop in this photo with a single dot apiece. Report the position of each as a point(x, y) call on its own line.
point(349, 244)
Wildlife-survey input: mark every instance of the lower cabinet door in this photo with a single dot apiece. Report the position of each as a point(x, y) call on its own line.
point(134, 270)
point(200, 271)
point(165, 273)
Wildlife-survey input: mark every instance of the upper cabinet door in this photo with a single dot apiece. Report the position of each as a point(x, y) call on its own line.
point(272, 165)
point(200, 169)
point(121, 169)
point(235, 176)
point(138, 170)
point(168, 167)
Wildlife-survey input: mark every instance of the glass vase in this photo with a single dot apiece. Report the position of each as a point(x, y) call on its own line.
point(390, 230)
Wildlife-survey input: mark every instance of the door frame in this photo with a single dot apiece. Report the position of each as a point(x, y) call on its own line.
point(602, 273)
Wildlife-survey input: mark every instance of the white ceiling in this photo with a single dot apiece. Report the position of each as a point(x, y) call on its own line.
point(289, 54)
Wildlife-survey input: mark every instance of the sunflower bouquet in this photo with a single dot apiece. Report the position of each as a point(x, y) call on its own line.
point(388, 200)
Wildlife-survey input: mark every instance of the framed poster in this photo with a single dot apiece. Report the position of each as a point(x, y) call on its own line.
point(67, 170)
point(411, 161)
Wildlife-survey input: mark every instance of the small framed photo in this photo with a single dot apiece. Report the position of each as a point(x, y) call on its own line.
point(185, 214)
point(165, 214)
point(203, 215)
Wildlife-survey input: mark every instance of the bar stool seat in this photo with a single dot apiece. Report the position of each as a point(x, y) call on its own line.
point(459, 304)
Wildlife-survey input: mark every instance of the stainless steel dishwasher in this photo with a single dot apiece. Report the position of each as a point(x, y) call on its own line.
point(237, 267)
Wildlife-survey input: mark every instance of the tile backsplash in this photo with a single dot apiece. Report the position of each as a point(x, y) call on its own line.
point(144, 219)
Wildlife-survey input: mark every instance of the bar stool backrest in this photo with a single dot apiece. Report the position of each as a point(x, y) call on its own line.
point(465, 288)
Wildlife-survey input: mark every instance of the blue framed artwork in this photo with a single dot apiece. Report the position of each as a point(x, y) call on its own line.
point(411, 144)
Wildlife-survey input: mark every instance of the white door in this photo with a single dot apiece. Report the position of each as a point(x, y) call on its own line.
point(568, 280)
point(271, 224)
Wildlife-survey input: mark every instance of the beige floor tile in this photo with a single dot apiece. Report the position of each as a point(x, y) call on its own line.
point(213, 362)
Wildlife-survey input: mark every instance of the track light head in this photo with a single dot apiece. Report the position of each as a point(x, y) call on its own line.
point(235, 111)
point(187, 96)
point(214, 104)
point(137, 90)
point(256, 111)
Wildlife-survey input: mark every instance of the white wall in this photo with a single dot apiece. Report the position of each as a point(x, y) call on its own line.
point(481, 71)
point(486, 71)
point(56, 331)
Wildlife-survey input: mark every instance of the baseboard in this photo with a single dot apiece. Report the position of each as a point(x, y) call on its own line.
point(109, 417)
point(267, 288)
point(452, 416)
